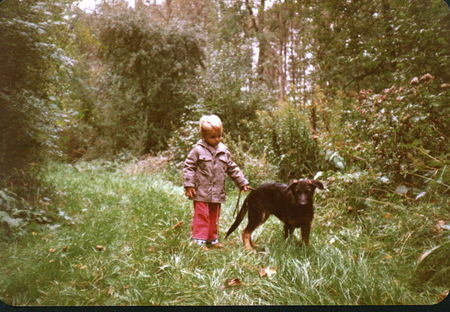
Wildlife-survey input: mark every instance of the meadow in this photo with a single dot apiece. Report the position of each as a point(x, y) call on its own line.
point(123, 239)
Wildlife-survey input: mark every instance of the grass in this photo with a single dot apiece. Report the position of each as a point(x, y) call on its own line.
point(362, 258)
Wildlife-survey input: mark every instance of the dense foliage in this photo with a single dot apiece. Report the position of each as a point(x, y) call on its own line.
point(373, 44)
point(29, 71)
point(28, 58)
point(141, 73)
point(389, 129)
point(306, 88)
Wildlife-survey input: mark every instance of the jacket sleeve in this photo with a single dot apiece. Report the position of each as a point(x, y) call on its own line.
point(235, 172)
point(189, 169)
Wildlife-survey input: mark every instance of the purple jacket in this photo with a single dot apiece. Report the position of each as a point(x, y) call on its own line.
point(205, 168)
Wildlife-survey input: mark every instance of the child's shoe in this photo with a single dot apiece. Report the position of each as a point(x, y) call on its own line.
point(200, 243)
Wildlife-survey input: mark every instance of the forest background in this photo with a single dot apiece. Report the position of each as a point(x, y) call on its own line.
point(354, 93)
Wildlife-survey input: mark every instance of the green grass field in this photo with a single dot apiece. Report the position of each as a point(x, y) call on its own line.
point(123, 239)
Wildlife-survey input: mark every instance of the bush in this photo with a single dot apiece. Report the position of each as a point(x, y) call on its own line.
point(27, 76)
point(402, 132)
point(355, 190)
point(284, 136)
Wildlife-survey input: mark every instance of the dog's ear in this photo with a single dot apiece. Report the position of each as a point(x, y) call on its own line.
point(292, 183)
point(289, 193)
point(317, 184)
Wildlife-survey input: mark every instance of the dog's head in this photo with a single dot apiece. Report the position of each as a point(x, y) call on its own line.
point(300, 192)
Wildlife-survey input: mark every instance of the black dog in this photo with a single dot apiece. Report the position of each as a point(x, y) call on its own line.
point(292, 204)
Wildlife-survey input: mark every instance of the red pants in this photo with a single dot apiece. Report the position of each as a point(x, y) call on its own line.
point(205, 220)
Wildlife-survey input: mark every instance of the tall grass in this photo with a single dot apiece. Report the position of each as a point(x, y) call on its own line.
point(120, 241)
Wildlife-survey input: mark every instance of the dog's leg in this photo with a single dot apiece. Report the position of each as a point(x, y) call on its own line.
point(247, 239)
point(255, 218)
point(288, 230)
point(305, 233)
point(247, 235)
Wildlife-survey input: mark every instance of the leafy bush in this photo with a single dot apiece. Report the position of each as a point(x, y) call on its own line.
point(17, 212)
point(403, 132)
point(284, 136)
point(28, 74)
point(355, 190)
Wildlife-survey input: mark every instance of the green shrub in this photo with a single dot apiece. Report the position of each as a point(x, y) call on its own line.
point(403, 131)
point(284, 136)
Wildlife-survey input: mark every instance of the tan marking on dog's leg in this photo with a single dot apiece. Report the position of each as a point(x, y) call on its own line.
point(247, 240)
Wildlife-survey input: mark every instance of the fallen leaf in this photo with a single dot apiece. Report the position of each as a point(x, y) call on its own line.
point(180, 223)
point(33, 233)
point(440, 225)
point(65, 248)
point(388, 215)
point(51, 250)
point(100, 248)
point(51, 260)
point(387, 257)
point(233, 282)
point(267, 272)
point(80, 266)
point(443, 295)
point(111, 290)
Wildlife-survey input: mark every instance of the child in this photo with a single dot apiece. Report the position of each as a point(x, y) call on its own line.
point(204, 179)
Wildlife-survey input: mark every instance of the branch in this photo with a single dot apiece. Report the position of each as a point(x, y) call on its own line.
point(250, 12)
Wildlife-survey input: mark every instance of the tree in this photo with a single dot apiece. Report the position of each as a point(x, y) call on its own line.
point(371, 44)
point(30, 59)
point(144, 88)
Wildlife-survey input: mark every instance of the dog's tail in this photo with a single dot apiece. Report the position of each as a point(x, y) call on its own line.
point(240, 216)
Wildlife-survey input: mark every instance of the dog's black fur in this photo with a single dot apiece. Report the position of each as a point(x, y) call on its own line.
point(293, 204)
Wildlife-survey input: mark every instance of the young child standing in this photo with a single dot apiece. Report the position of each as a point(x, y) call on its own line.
point(204, 180)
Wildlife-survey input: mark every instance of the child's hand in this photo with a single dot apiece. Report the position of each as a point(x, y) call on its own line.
point(246, 188)
point(189, 192)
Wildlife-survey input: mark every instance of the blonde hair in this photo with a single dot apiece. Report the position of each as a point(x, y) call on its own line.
point(210, 122)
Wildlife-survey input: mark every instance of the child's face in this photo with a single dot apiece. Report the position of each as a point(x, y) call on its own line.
point(212, 137)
